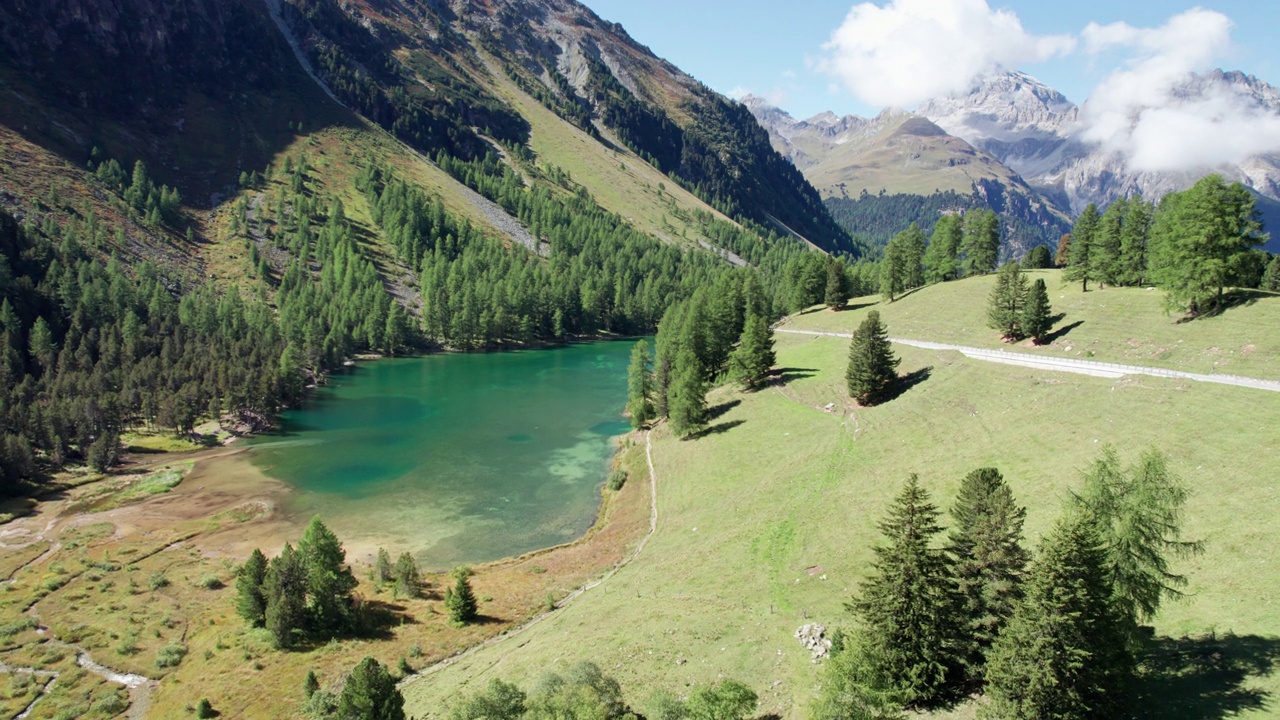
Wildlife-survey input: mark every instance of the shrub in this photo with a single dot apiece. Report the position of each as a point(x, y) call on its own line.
point(171, 655)
point(617, 479)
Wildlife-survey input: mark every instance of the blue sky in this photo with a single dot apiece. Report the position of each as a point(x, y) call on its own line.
point(773, 49)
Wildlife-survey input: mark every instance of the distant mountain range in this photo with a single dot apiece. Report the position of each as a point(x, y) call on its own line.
point(1010, 132)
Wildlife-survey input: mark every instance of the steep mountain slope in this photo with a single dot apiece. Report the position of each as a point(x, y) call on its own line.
point(1035, 130)
point(857, 163)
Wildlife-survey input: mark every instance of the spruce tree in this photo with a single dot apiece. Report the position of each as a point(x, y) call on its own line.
point(1008, 296)
point(251, 604)
point(986, 547)
point(1062, 654)
point(872, 365)
point(370, 693)
point(837, 292)
point(640, 385)
point(687, 396)
point(908, 608)
point(752, 360)
point(460, 600)
point(1036, 313)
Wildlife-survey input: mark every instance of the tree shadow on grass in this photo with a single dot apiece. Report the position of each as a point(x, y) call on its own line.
point(903, 384)
point(1205, 677)
point(1060, 333)
point(718, 411)
point(1240, 297)
point(783, 376)
point(717, 429)
point(859, 306)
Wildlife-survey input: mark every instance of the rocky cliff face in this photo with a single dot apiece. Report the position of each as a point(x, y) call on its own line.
point(1037, 132)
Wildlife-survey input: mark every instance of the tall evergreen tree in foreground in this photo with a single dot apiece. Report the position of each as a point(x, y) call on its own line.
point(285, 588)
point(986, 546)
point(872, 365)
point(909, 643)
point(640, 385)
point(1036, 313)
point(329, 580)
point(370, 694)
point(752, 360)
point(1008, 297)
point(980, 243)
point(1081, 265)
point(1062, 654)
point(1137, 516)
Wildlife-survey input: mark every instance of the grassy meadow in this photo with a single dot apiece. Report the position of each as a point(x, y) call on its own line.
point(1121, 325)
point(766, 521)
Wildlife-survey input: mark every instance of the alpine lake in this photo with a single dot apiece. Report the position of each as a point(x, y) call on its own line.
point(456, 458)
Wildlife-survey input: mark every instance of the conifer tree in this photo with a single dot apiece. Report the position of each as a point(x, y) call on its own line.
point(1063, 254)
point(460, 600)
point(1137, 516)
point(370, 693)
point(752, 360)
point(986, 547)
point(908, 608)
point(251, 603)
point(1134, 235)
point(285, 588)
point(892, 270)
point(329, 580)
point(407, 577)
point(1008, 296)
point(872, 365)
point(980, 243)
point(1036, 312)
point(1081, 265)
point(1037, 258)
point(837, 292)
point(687, 396)
point(913, 252)
point(310, 684)
point(1062, 654)
point(382, 570)
point(941, 259)
point(640, 388)
point(1106, 242)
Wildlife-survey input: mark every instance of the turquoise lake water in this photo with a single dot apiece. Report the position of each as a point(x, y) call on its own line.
point(456, 458)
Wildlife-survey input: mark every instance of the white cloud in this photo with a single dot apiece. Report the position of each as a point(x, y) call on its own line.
point(1157, 113)
point(912, 50)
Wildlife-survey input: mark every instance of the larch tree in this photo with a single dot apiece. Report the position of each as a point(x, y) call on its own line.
point(687, 395)
point(941, 258)
point(913, 251)
point(251, 603)
point(907, 609)
point(752, 360)
point(1137, 515)
point(1081, 265)
point(1062, 654)
point(1195, 237)
point(986, 546)
point(872, 364)
point(285, 589)
point(640, 388)
point(329, 580)
point(1106, 242)
point(1062, 255)
point(1037, 314)
point(893, 270)
point(1007, 299)
point(1134, 236)
point(980, 243)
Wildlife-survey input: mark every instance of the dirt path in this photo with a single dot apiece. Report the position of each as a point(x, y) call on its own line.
point(653, 527)
point(1080, 367)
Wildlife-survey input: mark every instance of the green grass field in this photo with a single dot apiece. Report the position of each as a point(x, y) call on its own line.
point(766, 522)
point(1122, 325)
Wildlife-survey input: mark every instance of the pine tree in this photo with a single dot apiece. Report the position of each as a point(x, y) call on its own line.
point(251, 604)
point(837, 292)
point(1137, 516)
point(329, 581)
point(1080, 263)
point(1036, 313)
point(370, 693)
point(1008, 297)
point(986, 547)
point(908, 608)
point(285, 589)
point(687, 396)
point(1062, 654)
point(460, 600)
point(752, 360)
point(640, 385)
point(872, 365)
